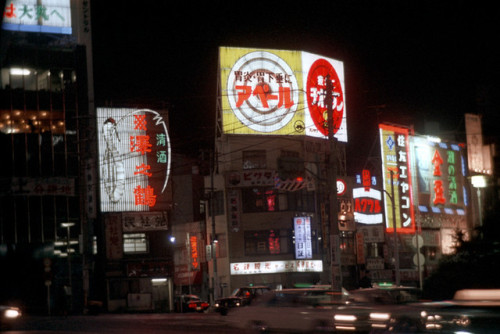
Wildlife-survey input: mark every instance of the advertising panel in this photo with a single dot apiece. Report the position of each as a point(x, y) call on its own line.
point(278, 92)
point(440, 175)
point(44, 16)
point(367, 200)
point(273, 267)
point(396, 168)
point(134, 159)
point(474, 142)
point(303, 244)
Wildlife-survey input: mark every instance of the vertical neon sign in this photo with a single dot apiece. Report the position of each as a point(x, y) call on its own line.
point(395, 151)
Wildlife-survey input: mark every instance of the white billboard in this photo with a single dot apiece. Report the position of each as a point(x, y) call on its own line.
point(279, 92)
point(134, 159)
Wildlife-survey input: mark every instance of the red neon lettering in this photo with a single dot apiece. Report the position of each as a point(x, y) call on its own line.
point(437, 161)
point(140, 144)
point(143, 169)
point(263, 92)
point(9, 11)
point(140, 122)
point(438, 192)
point(144, 196)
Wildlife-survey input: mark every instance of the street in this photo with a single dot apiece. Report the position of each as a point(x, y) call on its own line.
point(150, 323)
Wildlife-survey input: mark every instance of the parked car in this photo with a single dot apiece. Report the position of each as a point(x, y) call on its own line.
point(240, 297)
point(289, 310)
point(9, 315)
point(379, 309)
point(190, 303)
point(470, 311)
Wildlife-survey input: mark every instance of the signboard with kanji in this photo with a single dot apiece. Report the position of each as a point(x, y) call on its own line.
point(278, 92)
point(441, 169)
point(396, 173)
point(43, 16)
point(134, 159)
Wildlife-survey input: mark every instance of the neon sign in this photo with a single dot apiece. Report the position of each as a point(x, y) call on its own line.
point(39, 16)
point(367, 201)
point(396, 168)
point(263, 90)
point(134, 159)
point(303, 245)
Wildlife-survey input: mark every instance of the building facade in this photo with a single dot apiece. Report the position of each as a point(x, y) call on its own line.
point(46, 99)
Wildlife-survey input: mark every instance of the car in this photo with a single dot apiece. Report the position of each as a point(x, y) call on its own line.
point(190, 303)
point(377, 309)
point(298, 310)
point(9, 315)
point(240, 297)
point(470, 311)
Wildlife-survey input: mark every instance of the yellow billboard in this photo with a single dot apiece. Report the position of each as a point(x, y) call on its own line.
point(279, 92)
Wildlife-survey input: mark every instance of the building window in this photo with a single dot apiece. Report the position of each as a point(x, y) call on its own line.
point(135, 243)
point(255, 159)
point(267, 242)
point(260, 200)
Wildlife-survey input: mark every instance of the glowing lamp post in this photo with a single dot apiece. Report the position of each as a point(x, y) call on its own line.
point(479, 181)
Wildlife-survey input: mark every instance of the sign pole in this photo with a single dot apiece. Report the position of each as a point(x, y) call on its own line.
point(336, 264)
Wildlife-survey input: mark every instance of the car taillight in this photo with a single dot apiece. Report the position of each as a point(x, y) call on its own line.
point(192, 305)
point(205, 305)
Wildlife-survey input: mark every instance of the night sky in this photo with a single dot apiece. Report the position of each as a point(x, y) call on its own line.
point(404, 63)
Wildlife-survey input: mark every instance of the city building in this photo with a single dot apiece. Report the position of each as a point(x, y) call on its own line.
point(46, 108)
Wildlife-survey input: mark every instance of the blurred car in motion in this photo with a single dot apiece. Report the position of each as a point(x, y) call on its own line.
point(240, 297)
point(379, 309)
point(470, 311)
point(9, 315)
point(289, 310)
point(190, 303)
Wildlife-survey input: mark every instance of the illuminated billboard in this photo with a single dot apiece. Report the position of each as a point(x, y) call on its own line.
point(278, 92)
point(396, 173)
point(303, 243)
point(441, 170)
point(134, 159)
point(367, 200)
point(44, 16)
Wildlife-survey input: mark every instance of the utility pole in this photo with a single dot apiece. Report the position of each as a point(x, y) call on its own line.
point(214, 237)
point(335, 263)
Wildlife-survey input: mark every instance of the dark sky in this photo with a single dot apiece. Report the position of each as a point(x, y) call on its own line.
point(405, 62)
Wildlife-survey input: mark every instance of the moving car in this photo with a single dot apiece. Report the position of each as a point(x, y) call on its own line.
point(289, 310)
point(381, 308)
point(190, 303)
point(240, 297)
point(470, 311)
point(9, 315)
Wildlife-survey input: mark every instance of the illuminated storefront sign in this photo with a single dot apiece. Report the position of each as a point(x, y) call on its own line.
point(303, 244)
point(440, 174)
point(396, 168)
point(367, 200)
point(277, 92)
point(272, 267)
point(42, 16)
point(193, 252)
point(134, 159)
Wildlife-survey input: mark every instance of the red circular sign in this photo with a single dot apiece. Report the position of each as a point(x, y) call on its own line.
point(316, 92)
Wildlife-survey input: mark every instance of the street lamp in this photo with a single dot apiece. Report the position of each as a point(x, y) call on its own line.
point(68, 290)
point(479, 181)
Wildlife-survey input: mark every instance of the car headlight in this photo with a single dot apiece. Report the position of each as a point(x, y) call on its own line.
point(380, 316)
point(12, 313)
point(217, 304)
point(237, 304)
point(345, 317)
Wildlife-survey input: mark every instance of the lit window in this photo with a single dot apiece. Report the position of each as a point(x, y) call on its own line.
point(135, 243)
